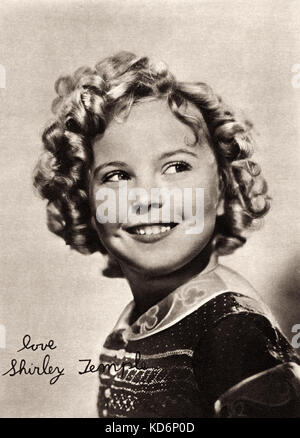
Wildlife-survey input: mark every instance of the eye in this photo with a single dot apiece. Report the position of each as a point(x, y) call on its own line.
point(115, 176)
point(176, 167)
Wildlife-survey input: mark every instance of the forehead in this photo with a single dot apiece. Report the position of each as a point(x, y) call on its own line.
point(150, 127)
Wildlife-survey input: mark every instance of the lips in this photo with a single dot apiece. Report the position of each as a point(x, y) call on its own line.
point(150, 229)
point(151, 232)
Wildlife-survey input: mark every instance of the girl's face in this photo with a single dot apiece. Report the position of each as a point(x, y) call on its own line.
point(152, 149)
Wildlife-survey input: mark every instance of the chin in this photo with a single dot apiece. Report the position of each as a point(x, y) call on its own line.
point(155, 270)
point(159, 265)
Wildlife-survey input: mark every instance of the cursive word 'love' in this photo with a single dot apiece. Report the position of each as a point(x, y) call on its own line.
point(27, 345)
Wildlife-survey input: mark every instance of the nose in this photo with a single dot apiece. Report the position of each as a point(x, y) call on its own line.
point(146, 201)
point(146, 195)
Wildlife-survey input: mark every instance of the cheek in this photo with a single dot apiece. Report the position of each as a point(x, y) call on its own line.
point(104, 218)
point(211, 184)
point(105, 203)
point(106, 233)
point(205, 193)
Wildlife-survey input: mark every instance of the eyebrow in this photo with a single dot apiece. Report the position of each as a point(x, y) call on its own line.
point(178, 151)
point(164, 155)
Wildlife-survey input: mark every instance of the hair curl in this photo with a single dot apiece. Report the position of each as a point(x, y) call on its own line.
point(89, 99)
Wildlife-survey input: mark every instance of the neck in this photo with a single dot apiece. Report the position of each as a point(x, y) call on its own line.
point(148, 290)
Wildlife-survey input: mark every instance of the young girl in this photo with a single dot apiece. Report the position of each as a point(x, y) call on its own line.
point(196, 341)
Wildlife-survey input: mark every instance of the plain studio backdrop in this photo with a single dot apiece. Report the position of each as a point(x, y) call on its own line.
point(246, 51)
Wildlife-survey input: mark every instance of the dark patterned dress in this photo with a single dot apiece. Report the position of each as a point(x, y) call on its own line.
point(209, 349)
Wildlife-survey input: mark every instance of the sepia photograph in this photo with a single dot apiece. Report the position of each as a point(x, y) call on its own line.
point(150, 192)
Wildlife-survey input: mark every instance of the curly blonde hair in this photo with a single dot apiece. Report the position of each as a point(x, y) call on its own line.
point(91, 98)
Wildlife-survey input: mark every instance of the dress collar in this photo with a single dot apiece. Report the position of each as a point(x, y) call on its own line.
point(177, 305)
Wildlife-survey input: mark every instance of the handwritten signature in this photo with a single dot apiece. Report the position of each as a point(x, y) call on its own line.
point(22, 367)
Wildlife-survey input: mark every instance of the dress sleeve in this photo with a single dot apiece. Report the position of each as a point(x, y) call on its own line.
point(237, 348)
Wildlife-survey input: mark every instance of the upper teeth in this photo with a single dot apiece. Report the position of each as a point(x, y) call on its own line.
point(156, 229)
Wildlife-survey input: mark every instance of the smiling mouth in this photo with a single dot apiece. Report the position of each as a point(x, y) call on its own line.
point(151, 229)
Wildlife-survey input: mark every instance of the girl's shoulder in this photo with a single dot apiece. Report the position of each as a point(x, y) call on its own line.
point(243, 356)
point(227, 292)
point(241, 294)
point(235, 282)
